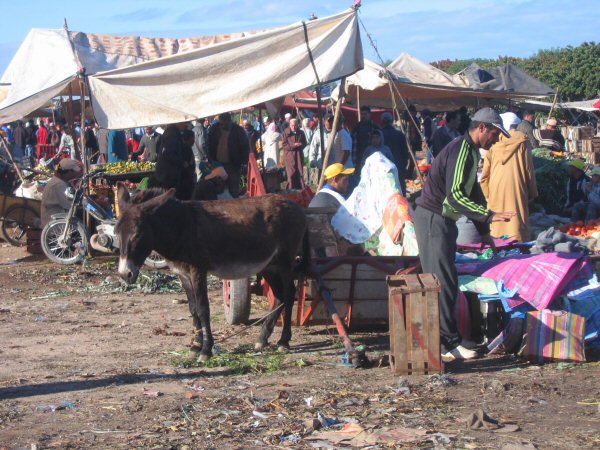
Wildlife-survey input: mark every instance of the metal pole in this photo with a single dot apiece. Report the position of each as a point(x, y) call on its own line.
point(358, 101)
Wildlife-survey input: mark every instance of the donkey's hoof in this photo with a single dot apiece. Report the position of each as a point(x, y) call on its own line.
point(203, 357)
point(195, 350)
point(283, 348)
point(260, 346)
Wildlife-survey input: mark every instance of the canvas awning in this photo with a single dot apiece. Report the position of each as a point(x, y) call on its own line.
point(48, 61)
point(423, 85)
point(230, 75)
point(259, 64)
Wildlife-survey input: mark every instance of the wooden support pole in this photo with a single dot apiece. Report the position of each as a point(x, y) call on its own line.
point(553, 104)
point(84, 156)
point(358, 101)
point(334, 129)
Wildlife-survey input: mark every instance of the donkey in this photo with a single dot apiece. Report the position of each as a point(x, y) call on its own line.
point(231, 239)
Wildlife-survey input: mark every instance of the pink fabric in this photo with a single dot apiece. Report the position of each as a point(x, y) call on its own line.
point(538, 278)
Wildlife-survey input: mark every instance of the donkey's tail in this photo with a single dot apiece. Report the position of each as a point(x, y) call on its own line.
point(304, 264)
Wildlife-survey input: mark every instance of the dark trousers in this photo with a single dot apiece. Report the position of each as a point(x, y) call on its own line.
point(436, 237)
point(234, 175)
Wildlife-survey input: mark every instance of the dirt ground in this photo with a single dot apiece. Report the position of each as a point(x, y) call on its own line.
point(85, 365)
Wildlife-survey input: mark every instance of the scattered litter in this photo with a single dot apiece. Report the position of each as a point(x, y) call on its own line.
point(66, 404)
point(196, 387)
point(402, 390)
point(260, 415)
point(356, 436)
point(441, 380)
point(479, 420)
point(326, 421)
point(536, 400)
point(149, 393)
point(40, 319)
point(309, 402)
point(190, 395)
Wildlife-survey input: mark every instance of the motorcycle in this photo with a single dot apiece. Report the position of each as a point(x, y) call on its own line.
point(65, 238)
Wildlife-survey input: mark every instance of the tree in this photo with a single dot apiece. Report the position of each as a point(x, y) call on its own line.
point(574, 71)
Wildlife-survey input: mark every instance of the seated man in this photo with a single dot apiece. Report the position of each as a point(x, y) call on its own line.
point(54, 199)
point(576, 192)
point(332, 194)
point(550, 138)
point(590, 209)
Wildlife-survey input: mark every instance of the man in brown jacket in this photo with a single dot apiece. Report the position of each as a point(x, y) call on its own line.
point(294, 142)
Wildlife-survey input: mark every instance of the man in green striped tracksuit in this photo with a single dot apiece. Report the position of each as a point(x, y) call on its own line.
point(452, 190)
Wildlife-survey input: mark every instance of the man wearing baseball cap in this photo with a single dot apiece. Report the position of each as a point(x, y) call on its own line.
point(332, 194)
point(54, 199)
point(451, 191)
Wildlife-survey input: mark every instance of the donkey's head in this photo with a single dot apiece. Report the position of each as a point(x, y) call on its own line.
point(134, 229)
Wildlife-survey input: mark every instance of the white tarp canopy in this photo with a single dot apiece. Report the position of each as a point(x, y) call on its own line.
point(48, 61)
point(230, 75)
point(254, 65)
point(420, 84)
point(585, 105)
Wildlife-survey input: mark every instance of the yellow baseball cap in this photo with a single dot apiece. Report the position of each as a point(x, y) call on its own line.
point(336, 169)
point(578, 164)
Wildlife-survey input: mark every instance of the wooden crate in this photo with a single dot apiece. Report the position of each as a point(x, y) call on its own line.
point(414, 324)
point(34, 245)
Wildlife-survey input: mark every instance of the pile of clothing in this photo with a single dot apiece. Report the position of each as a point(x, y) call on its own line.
point(553, 240)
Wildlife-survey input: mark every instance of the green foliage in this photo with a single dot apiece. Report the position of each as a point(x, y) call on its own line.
point(239, 360)
point(574, 71)
point(551, 177)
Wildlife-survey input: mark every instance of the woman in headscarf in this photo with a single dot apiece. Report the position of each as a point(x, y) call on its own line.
point(271, 143)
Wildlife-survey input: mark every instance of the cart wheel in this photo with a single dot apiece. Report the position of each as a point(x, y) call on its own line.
point(17, 220)
point(236, 300)
point(155, 261)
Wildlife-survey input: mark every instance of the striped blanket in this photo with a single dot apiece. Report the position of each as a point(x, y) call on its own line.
point(539, 279)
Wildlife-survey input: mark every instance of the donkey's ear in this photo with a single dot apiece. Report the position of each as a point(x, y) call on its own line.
point(153, 204)
point(122, 195)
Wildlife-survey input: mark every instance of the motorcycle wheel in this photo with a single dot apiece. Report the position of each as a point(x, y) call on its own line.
point(73, 250)
point(155, 261)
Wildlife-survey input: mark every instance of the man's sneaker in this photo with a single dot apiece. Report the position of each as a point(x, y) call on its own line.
point(459, 352)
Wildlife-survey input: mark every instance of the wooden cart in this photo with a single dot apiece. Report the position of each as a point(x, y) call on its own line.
point(18, 214)
point(352, 286)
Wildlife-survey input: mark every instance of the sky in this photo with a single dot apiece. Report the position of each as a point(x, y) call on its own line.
point(431, 30)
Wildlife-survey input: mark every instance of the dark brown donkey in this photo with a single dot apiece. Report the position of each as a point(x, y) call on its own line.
point(231, 239)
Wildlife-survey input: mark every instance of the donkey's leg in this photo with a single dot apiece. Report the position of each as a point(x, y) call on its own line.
point(289, 292)
point(186, 282)
point(201, 293)
point(274, 281)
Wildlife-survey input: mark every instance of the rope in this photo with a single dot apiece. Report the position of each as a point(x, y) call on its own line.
point(256, 322)
point(391, 85)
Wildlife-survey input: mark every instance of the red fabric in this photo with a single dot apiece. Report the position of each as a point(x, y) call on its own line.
point(396, 214)
point(597, 104)
point(42, 136)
